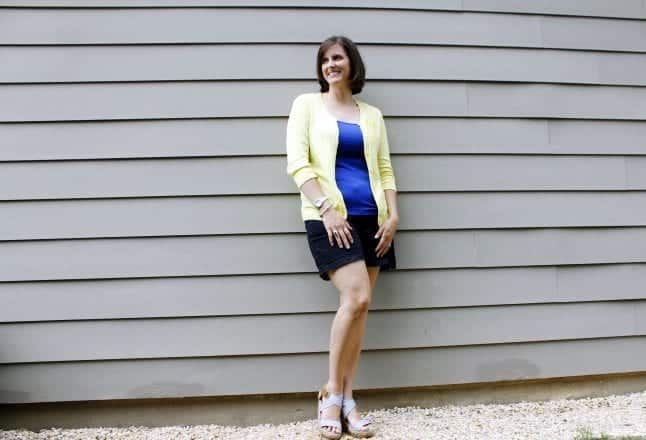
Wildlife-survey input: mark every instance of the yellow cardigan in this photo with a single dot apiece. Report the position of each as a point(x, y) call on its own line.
point(312, 141)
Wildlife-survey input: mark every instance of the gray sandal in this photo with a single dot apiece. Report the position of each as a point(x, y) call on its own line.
point(327, 400)
point(361, 429)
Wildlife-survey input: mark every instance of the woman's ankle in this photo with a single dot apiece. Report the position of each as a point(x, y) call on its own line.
point(333, 388)
point(347, 390)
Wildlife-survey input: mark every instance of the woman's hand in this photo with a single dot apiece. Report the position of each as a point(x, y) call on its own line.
point(386, 234)
point(338, 229)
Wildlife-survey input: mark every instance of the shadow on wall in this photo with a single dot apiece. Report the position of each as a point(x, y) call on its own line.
point(170, 389)
point(507, 369)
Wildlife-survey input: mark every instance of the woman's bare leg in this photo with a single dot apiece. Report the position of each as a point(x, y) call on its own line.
point(354, 349)
point(353, 283)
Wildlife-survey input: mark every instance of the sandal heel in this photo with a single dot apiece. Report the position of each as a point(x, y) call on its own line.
point(362, 428)
point(325, 401)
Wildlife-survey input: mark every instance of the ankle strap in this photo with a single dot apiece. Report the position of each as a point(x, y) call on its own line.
point(332, 400)
point(348, 406)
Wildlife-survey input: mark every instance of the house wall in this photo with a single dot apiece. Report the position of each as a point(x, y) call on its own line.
point(151, 244)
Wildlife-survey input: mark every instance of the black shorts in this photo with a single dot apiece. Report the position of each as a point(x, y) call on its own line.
point(328, 257)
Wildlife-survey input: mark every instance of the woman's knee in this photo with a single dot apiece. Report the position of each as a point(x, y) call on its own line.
point(353, 283)
point(362, 303)
point(357, 297)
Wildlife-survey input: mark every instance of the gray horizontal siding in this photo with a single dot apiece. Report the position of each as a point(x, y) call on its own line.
point(230, 336)
point(244, 61)
point(266, 175)
point(593, 33)
point(208, 25)
point(521, 204)
point(144, 139)
point(203, 215)
point(33, 26)
point(555, 101)
point(263, 99)
point(473, 172)
point(302, 293)
point(598, 8)
point(371, 4)
point(127, 379)
point(256, 254)
point(213, 137)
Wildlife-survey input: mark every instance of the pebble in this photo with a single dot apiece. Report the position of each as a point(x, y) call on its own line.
point(617, 415)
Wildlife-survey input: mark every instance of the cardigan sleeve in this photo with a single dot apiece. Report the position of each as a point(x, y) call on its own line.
point(383, 158)
point(298, 142)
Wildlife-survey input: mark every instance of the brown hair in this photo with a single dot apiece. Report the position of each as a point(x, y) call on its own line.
point(357, 68)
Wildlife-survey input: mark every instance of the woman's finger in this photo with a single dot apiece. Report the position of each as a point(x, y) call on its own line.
point(385, 248)
point(348, 234)
point(380, 246)
point(330, 236)
point(345, 237)
point(380, 243)
point(385, 242)
point(337, 238)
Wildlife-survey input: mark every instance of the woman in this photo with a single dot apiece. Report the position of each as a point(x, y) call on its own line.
point(338, 155)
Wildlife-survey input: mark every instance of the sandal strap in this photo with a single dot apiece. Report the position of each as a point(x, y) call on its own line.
point(360, 424)
point(330, 423)
point(348, 406)
point(331, 400)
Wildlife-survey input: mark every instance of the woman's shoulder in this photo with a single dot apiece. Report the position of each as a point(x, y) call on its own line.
point(372, 110)
point(306, 98)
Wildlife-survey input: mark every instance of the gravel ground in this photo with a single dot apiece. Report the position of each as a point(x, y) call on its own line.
point(551, 420)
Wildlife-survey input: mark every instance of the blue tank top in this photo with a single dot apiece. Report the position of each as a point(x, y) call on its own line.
point(352, 171)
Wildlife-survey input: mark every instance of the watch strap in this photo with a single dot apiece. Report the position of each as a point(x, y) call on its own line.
point(319, 202)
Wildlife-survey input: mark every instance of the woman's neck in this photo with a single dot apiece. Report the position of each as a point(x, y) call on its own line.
point(340, 94)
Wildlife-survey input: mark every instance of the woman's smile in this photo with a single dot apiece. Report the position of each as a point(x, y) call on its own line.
point(336, 65)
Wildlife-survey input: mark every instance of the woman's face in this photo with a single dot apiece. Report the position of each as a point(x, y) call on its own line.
point(335, 65)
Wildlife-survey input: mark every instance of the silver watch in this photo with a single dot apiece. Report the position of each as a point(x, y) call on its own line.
point(319, 202)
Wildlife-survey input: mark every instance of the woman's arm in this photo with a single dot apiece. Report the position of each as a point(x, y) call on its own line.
point(298, 166)
point(298, 142)
point(388, 228)
point(386, 172)
point(391, 201)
